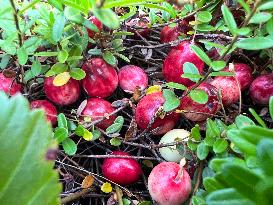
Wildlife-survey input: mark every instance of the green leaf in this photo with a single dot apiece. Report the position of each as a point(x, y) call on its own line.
point(96, 134)
point(56, 3)
point(260, 18)
point(229, 19)
point(77, 74)
point(195, 133)
point(199, 96)
point(46, 54)
point(243, 31)
point(69, 146)
point(107, 17)
point(211, 184)
point(62, 121)
point(123, 57)
point(201, 54)
point(171, 101)
point(202, 151)
point(61, 134)
point(73, 15)
point(22, 56)
point(266, 6)
point(36, 68)
point(242, 121)
point(218, 65)
point(115, 142)
point(58, 27)
point(4, 61)
point(265, 155)
point(109, 58)
point(62, 56)
point(90, 25)
point(116, 126)
point(221, 73)
point(126, 201)
point(241, 178)
point(228, 196)
point(58, 68)
point(220, 145)
point(204, 16)
point(191, 72)
point(23, 155)
point(257, 117)
point(79, 130)
point(259, 42)
point(269, 27)
point(176, 86)
point(271, 106)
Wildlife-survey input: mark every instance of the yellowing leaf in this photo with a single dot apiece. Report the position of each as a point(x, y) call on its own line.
point(87, 135)
point(153, 89)
point(88, 181)
point(61, 79)
point(148, 163)
point(106, 188)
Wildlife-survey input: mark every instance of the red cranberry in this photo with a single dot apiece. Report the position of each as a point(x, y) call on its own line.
point(97, 23)
point(229, 89)
point(261, 89)
point(121, 170)
point(169, 184)
point(211, 107)
point(50, 110)
point(101, 78)
point(62, 95)
point(173, 64)
point(130, 77)
point(243, 74)
point(9, 85)
point(169, 33)
point(97, 108)
point(141, 25)
point(146, 110)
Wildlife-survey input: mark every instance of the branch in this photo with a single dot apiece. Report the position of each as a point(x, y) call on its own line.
point(15, 15)
point(198, 181)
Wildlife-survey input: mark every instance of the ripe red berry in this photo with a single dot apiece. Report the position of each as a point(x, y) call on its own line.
point(132, 77)
point(121, 170)
point(146, 110)
point(173, 64)
point(9, 85)
point(171, 33)
point(261, 89)
point(194, 108)
point(169, 184)
point(62, 95)
point(49, 108)
point(101, 79)
point(97, 23)
point(97, 108)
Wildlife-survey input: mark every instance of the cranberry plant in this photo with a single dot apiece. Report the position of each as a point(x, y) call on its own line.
point(113, 76)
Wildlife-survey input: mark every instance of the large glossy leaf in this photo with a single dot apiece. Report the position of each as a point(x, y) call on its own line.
point(26, 176)
point(227, 197)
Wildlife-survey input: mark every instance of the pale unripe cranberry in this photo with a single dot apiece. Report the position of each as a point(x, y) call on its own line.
point(146, 110)
point(229, 89)
point(48, 107)
point(97, 23)
point(97, 108)
point(141, 25)
point(195, 109)
point(101, 79)
point(9, 85)
point(243, 74)
point(62, 95)
point(131, 77)
point(121, 170)
point(261, 89)
point(169, 33)
point(173, 64)
point(169, 184)
point(170, 153)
